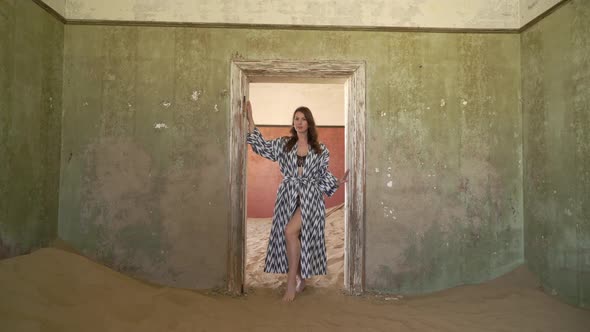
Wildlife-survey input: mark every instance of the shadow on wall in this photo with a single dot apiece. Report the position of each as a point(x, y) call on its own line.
point(5, 251)
point(468, 234)
point(143, 219)
point(441, 259)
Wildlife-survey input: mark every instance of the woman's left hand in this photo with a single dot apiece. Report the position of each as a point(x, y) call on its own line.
point(344, 178)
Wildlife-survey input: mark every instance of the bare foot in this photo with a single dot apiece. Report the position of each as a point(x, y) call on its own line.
point(300, 285)
point(289, 294)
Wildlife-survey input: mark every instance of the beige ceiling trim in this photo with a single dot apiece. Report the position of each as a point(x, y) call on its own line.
point(287, 27)
point(51, 11)
point(62, 19)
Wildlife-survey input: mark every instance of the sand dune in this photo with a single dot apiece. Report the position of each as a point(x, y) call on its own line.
point(56, 290)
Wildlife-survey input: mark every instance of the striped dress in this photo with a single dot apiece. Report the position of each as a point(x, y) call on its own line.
point(314, 182)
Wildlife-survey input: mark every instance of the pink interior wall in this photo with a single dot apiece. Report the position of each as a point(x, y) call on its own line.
point(264, 176)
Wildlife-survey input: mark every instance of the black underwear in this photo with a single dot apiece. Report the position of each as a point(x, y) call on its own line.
point(300, 163)
point(301, 160)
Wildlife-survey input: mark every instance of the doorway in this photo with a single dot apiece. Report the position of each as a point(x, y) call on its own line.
point(352, 73)
point(273, 103)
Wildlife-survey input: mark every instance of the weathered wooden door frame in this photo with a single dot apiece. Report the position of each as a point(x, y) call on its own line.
point(353, 72)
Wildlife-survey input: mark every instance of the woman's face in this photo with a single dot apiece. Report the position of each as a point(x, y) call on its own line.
point(300, 123)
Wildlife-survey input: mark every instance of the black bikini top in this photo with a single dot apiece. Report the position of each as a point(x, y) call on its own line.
point(301, 160)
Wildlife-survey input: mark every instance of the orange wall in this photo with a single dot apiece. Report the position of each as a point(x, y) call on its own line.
point(264, 176)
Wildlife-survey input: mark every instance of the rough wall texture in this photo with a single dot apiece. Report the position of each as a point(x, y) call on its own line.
point(444, 122)
point(31, 53)
point(145, 141)
point(556, 107)
point(530, 9)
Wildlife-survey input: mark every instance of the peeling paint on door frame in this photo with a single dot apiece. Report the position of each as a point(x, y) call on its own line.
point(353, 73)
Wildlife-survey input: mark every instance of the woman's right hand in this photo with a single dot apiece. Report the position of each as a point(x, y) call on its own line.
point(248, 110)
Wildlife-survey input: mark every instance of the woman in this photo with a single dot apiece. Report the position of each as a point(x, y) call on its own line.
point(297, 245)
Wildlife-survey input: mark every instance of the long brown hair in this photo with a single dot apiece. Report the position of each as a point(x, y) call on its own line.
point(312, 133)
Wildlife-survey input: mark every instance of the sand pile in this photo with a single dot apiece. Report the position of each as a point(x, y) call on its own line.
point(55, 290)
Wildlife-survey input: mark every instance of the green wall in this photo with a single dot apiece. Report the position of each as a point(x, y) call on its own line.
point(31, 55)
point(556, 109)
point(144, 164)
point(452, 159)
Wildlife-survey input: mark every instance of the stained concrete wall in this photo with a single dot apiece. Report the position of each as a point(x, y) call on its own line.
point(31, 54)
point(556, 108)
point(531, 9)
point(145, 149)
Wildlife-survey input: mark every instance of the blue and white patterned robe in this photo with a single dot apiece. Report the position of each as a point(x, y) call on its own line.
point(315, 181)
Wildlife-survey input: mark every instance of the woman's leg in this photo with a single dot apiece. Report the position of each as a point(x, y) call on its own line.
point(292, 232)
point(300, 281)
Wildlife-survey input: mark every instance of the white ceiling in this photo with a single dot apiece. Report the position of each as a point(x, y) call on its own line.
point(458, 14)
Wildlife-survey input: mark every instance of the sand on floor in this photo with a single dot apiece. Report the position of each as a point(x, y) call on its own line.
point(257, 233)
point(53, 289)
